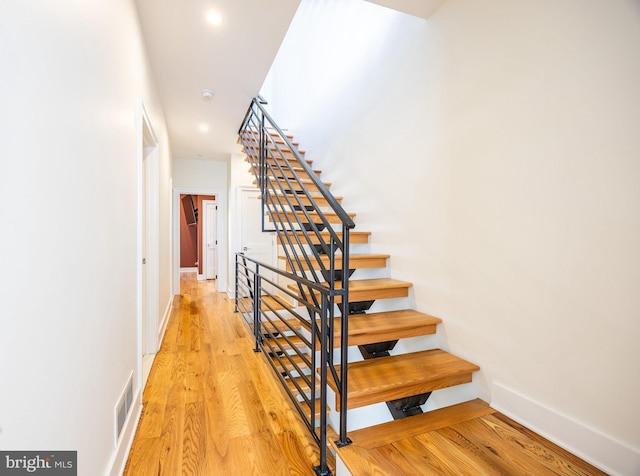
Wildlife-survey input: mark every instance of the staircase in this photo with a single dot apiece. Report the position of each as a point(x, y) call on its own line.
point(300, 322)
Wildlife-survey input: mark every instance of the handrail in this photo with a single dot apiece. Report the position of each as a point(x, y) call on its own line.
point(344, 217)
point(291, 197)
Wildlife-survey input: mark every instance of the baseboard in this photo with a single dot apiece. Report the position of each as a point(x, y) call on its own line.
point(593, 446)
point(165, 320)
point(121, 453)
point(200, 277)
point(189, 270)
point(231, 292)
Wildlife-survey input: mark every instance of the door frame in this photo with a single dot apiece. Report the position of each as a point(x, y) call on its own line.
point(221, 257)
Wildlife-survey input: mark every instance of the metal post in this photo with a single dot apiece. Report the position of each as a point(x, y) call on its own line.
point(344, 340)
point(256, 308)
point(235, 309)
point(263, 170)
point(323, 469)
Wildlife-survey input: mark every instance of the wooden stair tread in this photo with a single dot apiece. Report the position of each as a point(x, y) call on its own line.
point(389, 378)
point(303, 200)
point(307, 391)
point(290, 157)
point(275, 137)
point(372, 289)
point(284, 150)
point(285, 343)
point(308, 183)
point(251, 147)
point(390, 432)
point(295, 166)
point(302, 383)
point(356, 237)
point(391, 325)
point(287, 361)
point(276, 303)
point(356, 261)
point(293, 323)
point(289, 171)
point(299, 216)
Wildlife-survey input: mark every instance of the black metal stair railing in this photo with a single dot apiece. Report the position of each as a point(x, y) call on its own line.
point(293, 313)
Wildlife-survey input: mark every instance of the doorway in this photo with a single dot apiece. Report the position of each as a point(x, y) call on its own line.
point(220, 232)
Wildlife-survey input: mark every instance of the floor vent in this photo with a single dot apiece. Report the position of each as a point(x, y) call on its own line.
point(123, 407)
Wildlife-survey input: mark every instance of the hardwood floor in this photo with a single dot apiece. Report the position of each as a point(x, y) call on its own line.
point(213, 407)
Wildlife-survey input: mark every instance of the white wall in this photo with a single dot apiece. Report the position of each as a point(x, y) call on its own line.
point(493, 151)
point(73, 79)
point(201, 174)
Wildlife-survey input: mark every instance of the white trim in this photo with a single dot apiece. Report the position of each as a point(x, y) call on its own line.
point(120, 455)
point(593, 446)
point(165, 320)
point(189, 270)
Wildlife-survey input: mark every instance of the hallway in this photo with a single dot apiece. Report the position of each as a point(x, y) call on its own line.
point(211, 405)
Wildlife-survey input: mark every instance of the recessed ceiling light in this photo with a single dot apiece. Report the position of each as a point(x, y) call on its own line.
point(203, 128)
point(214, 18)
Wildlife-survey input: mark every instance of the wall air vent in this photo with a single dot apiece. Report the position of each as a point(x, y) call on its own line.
point(123, 407)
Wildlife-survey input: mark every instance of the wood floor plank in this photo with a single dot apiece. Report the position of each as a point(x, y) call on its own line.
point(556, 459)
point(172, 429)
point(194, 448)
point(295, 453)
point(193, 383)
point(217, 438)
point(144, 458)
point(448, 445)
point(151, 419)
point(499, 450)
point(483, 458)
point(237, 424)
point(420, 456)
point(397, 460)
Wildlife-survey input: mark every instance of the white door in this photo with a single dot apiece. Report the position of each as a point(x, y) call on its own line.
point(254, 243)
point(210, 239)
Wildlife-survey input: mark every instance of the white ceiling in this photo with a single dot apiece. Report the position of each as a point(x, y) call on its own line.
point(187, 54)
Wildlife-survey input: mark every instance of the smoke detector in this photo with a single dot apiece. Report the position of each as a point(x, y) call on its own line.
point(207, 95)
